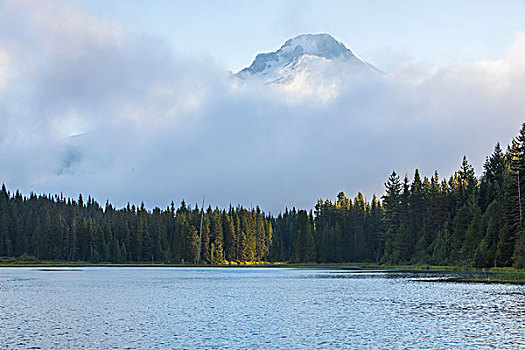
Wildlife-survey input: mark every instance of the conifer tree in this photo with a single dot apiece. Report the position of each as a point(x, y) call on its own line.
point(392, 210)
point(441, 247)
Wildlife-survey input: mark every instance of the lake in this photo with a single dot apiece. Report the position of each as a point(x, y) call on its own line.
point(249, 308)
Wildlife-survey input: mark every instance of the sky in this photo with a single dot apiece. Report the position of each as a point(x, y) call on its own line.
point(132, 101)
point(232, 32)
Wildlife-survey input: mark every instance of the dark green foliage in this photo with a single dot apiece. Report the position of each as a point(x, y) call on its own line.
point(464, 221)
point(492, 183)
point(55, 228)
point(482, 256)
point(441, 248)
point(519, 250)
point(505, 247)
point(305, 247)
point(473, 236)
point(347, 230)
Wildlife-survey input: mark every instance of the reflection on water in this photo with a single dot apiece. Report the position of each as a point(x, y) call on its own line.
point(253, 308)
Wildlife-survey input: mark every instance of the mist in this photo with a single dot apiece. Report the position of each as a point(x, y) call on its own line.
point(90, 107)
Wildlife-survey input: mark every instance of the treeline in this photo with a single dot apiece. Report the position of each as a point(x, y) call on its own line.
point(55, 228)
point(47, 227)
point(464, 220)
point(341, 231)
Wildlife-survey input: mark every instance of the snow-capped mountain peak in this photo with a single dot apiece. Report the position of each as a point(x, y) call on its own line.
point(322, 45)
point(299, 53)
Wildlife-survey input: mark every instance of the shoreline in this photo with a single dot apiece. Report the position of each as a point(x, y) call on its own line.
point(483, 276)
point(345, 266)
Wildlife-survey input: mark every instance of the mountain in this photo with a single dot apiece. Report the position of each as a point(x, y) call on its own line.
point(305, 52)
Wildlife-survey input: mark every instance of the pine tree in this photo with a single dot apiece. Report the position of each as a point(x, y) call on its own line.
point(392, 212)
point(217, 238)
point(261, 248)
point(519, 250)
point(467, 182)
point(473, 236)
point(300, 231)
point(491, 186)
point(505, 247)
point(245, 251)
point(230, 240)
point(518, 165)
point(460, 224)
point(376, 235)
point(309, 248)
point(441, 247)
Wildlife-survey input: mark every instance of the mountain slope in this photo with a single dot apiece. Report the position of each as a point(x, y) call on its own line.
point(304, 52)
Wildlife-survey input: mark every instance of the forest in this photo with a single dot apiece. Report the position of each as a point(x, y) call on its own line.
point(466, 221)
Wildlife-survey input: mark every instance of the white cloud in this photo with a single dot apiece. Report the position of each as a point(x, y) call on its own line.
point(97, 110)
point(4, 65)
point(59, 28)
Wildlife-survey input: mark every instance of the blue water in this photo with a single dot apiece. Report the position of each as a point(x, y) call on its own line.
point(248, 308)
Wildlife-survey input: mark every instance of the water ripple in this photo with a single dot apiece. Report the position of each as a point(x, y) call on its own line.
point(135, 308)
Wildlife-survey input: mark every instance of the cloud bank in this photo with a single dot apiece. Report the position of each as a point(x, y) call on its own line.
point(88, 107)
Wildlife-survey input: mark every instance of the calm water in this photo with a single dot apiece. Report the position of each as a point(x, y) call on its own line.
point(251, 308)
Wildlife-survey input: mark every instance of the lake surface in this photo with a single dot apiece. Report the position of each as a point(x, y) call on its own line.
point(253, 308)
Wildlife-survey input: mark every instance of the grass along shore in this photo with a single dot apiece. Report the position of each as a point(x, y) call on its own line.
point(496, 275)
point(32, 261)
point(492, 275)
